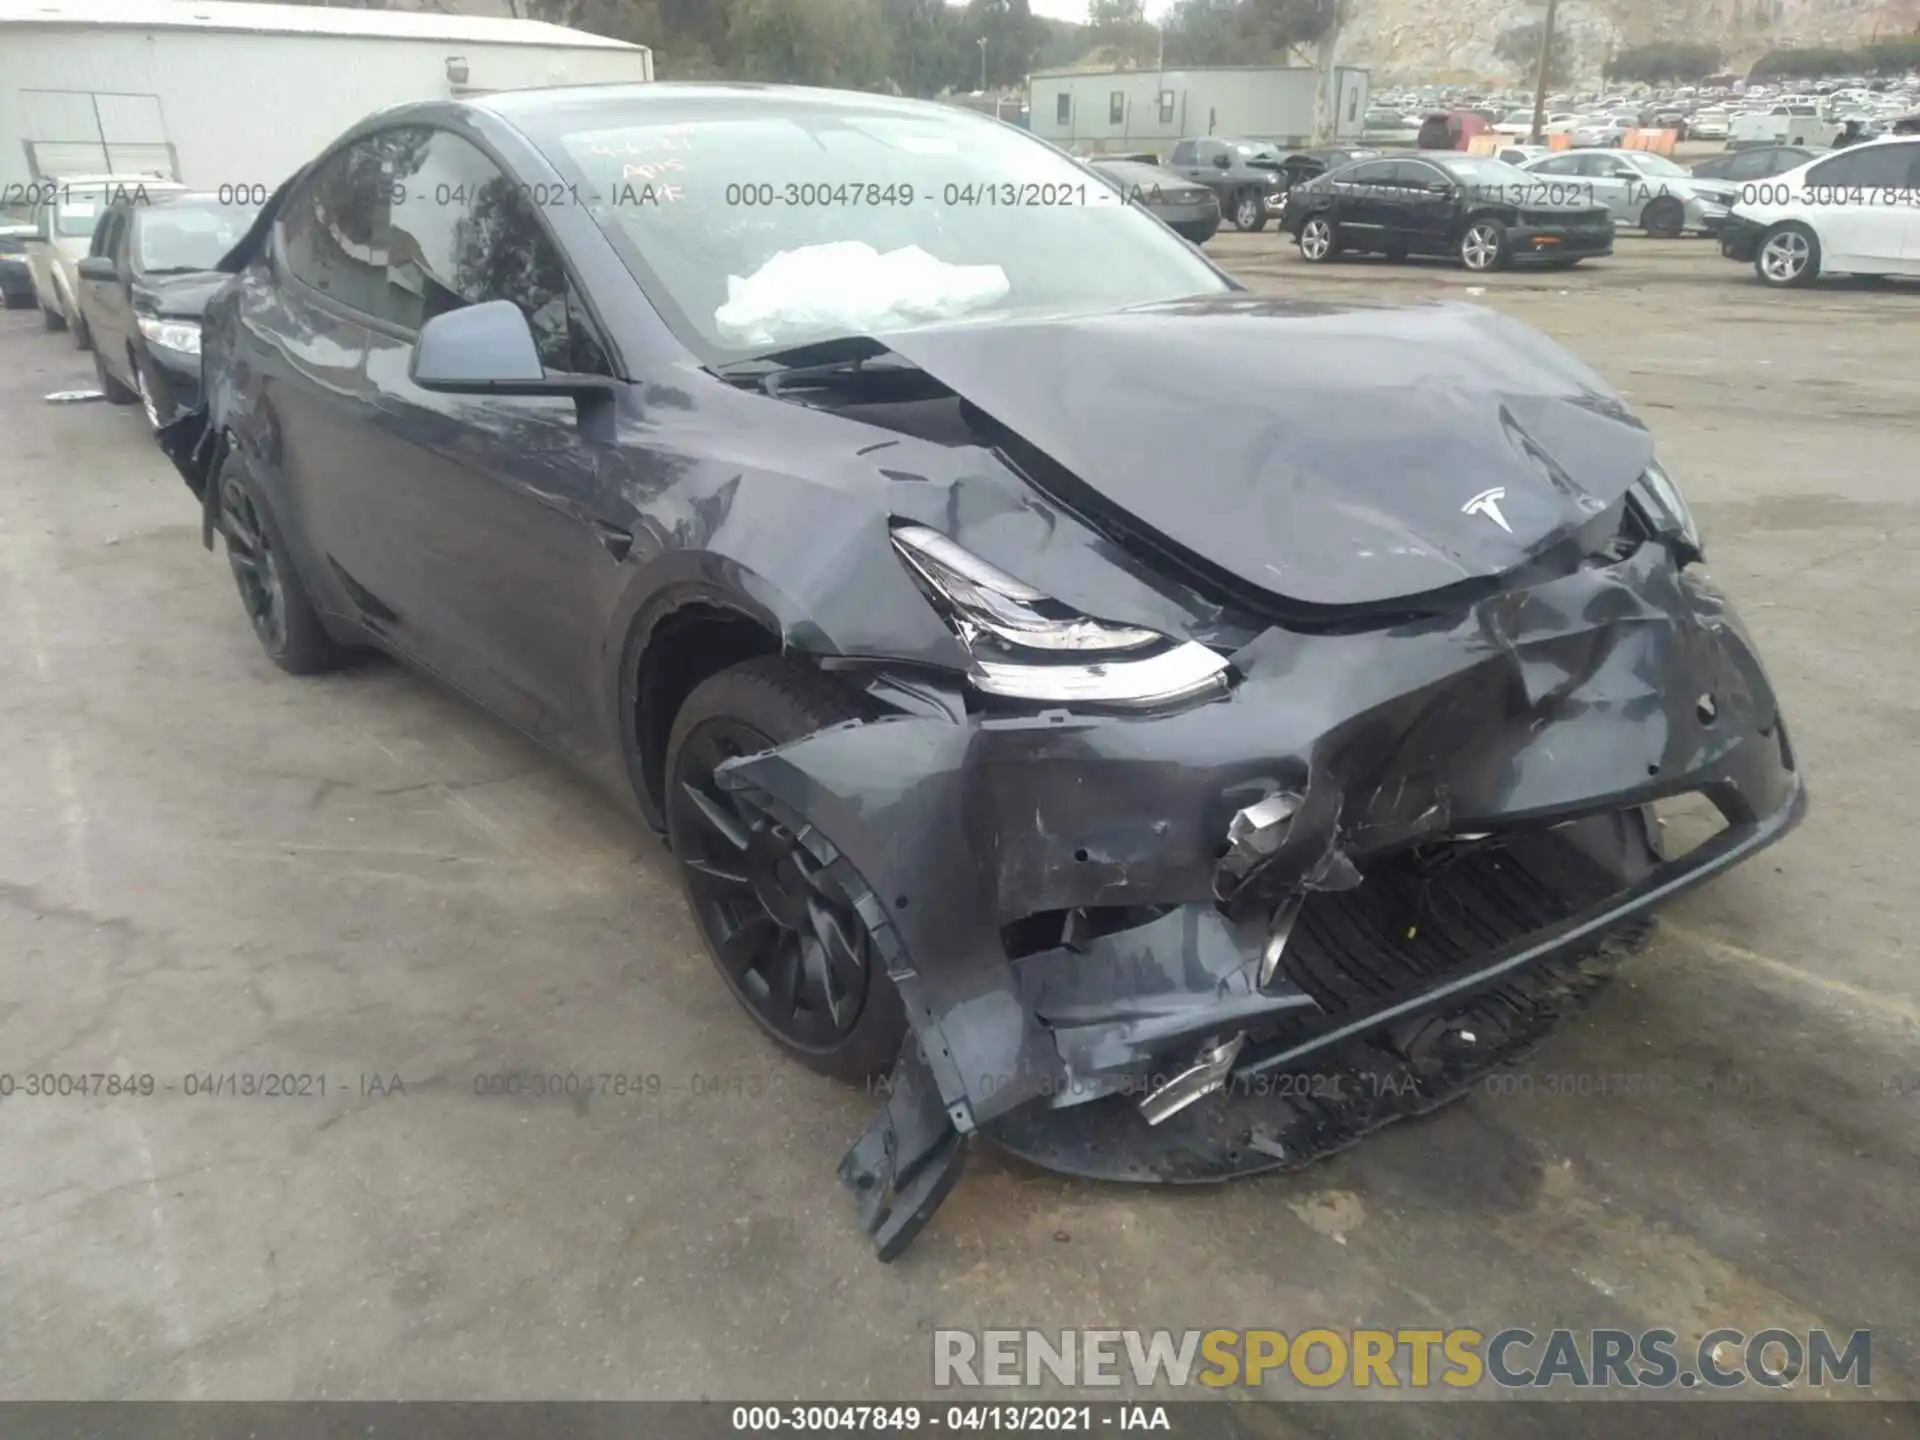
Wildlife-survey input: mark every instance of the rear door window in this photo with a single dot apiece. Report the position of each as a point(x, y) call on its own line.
point(1886, 166)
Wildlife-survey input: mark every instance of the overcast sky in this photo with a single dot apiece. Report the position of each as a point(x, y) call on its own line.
point(1077, 9)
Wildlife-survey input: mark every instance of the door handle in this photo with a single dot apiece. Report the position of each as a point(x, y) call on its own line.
point(618, 542)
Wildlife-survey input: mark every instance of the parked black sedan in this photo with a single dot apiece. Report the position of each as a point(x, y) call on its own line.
point(1063, 676)
point(1477, 209)
point(1302, 165)
point(149, 275)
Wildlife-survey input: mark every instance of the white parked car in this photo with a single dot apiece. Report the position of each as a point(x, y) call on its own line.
point(1710, 125)
point(1856, 212)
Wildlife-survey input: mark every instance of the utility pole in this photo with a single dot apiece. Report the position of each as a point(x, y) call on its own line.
point(983, 64)
point(1546, 68)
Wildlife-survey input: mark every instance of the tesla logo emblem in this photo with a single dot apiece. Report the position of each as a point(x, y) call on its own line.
point(1487, 503)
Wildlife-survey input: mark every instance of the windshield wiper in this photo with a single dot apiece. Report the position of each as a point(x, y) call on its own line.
point(820, 362)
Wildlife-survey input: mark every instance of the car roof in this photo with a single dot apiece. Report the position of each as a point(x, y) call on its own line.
point(1124, 166)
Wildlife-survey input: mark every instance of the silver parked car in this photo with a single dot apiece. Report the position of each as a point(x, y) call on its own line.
point(1192, 210)
point(1646, 191)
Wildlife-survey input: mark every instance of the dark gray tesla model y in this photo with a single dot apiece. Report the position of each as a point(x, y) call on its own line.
point(1088, 694)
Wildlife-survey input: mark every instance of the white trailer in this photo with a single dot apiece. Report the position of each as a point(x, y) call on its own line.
point(1122, 111)
point(215, 93)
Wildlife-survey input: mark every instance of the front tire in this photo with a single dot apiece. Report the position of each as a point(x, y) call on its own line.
point(1249, 212)
point(1483, 246)
point(145, 388)
point(1319, 242)
point(116, 393)
point(780, 927)
point(1664, 219)
point(51, 320)
point(1787, 257)
point(276, 602)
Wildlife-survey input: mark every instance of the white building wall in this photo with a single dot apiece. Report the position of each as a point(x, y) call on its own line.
point(245, 108)
point(1122, 110)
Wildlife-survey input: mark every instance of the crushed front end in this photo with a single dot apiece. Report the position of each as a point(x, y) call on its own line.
point(1149, 946)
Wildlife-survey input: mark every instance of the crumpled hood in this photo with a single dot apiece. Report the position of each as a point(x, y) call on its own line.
point(1331, 455)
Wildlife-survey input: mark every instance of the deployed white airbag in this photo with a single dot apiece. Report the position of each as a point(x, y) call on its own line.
point(847, 287)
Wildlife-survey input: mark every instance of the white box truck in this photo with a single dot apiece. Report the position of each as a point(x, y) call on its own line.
point(216, 94)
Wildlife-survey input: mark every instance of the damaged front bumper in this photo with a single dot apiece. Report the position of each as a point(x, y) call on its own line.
point(1111, 934)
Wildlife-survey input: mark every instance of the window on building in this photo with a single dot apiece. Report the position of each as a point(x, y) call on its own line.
point(1063, 108)
point(1117, 108)
point(1166, 107)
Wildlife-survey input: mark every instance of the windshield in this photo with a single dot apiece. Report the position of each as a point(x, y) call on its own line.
point(1650, 164)
point(79, 210)
point(753, 228)
point(1258, 152)
point(190, 235)
point(1481, 170)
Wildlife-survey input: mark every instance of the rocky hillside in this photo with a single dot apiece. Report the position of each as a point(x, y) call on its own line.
point(1459, 40)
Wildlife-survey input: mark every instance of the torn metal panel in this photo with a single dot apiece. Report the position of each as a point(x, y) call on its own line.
point(1555, 711)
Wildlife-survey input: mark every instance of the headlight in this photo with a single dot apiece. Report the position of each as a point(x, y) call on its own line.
point(1028, 646)
point(181, 335)
point(1666, 510)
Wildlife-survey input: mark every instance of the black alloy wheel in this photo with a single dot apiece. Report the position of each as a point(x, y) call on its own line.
point(256, 565)
point(779, 924)
point(282, 615)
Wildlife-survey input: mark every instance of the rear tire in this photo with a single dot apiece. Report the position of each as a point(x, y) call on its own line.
point(1249, 212)
point(283, 617)
point(779, 927)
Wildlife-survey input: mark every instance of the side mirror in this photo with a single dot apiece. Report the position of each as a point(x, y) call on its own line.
point(1221, 162)
point(98, 267)
point(488, 349)
point(1439, 187)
